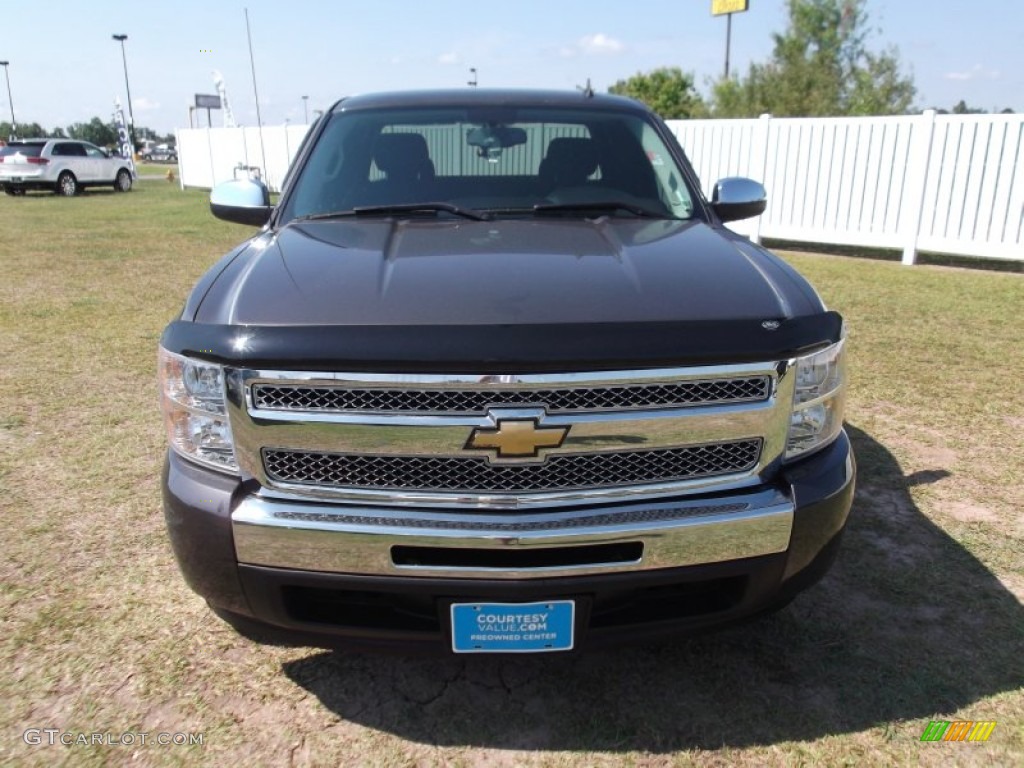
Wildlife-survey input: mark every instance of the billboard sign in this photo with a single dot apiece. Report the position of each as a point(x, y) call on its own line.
point(722, 7)
point(207, 101)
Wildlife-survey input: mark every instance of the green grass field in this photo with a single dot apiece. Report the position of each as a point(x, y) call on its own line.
point(921, 619)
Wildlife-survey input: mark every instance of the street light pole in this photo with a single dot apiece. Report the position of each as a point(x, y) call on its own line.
point(131, 114)
point(305, 108)
point(7, 76)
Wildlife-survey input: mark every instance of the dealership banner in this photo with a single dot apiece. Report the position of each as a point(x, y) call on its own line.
point(124, 136)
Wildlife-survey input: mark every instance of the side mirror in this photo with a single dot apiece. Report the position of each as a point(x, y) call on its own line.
point(243, 201)
point(738, 198)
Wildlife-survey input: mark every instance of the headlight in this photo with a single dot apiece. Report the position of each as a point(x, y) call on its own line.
point(192, 397)
point(818, 400)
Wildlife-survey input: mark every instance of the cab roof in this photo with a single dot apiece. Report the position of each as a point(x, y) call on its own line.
point(492, 97)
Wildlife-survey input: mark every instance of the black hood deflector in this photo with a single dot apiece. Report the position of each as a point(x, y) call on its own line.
point(501, 348)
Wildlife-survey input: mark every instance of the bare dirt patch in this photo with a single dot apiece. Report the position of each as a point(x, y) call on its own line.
point(966, 512)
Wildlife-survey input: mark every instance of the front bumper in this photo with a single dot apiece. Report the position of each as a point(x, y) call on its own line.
point(563, 542)
point(328, 574)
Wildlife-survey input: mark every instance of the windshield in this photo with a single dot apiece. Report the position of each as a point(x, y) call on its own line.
point(491, 160)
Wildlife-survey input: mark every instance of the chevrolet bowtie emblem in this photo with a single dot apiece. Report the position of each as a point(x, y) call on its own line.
point(516, 438)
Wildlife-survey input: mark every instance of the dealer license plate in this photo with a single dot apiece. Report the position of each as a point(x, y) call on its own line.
point(513, 627)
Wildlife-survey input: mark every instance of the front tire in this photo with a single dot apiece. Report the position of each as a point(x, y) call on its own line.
point(123, 182)
point(67, 184)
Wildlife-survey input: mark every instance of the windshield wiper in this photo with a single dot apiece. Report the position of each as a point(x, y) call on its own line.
point(374, 210)
point(601, 205)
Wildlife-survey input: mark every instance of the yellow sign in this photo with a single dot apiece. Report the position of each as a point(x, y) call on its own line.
point(722, 7)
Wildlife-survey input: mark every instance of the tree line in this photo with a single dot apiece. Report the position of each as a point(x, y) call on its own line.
point(96, 131)
point(821, 65)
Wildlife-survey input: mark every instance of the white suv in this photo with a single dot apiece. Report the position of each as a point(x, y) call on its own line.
point(64, 166)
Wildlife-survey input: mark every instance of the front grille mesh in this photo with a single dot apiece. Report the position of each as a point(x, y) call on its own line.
point(333, 399)
point(476, 474)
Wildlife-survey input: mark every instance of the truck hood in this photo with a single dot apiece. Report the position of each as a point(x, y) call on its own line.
point(544, 271)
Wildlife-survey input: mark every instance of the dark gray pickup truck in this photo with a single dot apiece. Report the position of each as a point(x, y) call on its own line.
point(493, 377)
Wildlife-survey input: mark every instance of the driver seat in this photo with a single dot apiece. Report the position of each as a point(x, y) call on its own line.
point(404, 158)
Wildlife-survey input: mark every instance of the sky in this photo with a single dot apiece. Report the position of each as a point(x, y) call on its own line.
point(65, 67)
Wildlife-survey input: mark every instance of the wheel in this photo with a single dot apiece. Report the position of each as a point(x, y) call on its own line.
point(123, 182)
point(67, 184)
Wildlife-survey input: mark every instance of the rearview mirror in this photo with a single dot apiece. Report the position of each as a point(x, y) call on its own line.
point(243, 201)
point(491, 138)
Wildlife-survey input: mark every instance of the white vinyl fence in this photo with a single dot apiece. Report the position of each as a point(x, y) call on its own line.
point(943, 183)
point(208, 156)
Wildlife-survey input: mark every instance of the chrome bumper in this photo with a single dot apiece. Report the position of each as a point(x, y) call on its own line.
point(362, 539)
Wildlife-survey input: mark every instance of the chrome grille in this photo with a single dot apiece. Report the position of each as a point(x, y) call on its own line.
point(475, 474)
point(399, 439)
point(336, 399)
